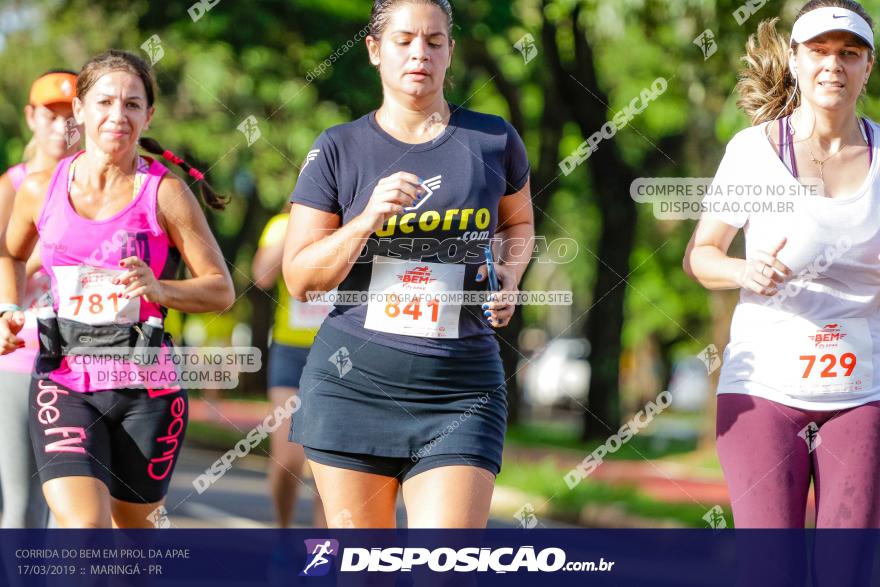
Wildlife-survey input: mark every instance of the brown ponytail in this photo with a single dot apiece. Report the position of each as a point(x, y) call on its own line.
point(209, 196)
point(767, 89)
point(115, 60)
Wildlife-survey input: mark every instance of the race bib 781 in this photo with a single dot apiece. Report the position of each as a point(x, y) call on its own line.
point(88, 295)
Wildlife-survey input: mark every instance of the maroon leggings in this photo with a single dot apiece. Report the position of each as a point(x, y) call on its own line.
point(768, 463)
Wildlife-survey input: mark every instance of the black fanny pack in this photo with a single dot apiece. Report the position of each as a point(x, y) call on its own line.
point(77, 338)
point(59, 337)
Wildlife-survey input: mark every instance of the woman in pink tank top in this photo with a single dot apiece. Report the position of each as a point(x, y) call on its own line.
point(112, 228)
point(49, 115)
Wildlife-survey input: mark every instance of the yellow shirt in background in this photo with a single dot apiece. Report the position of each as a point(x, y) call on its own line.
point(296, 323)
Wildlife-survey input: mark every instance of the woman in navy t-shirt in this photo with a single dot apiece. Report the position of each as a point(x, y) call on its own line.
point(404, 386)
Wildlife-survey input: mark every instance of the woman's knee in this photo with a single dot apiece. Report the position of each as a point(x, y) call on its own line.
point(71, 517)
point(78, 502)
point(80, 523)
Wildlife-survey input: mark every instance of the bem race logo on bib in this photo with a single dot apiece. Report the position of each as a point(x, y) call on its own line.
point(417, 276)
point(93, 278)
point(828, 336)
point(320, 556)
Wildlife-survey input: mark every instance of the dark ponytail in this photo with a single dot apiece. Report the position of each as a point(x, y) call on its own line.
point(209, 196)
point(115, 60)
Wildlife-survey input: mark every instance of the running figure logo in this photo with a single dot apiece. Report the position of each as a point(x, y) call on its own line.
point(250, 129)
point(711, 358)
point(435, 119)
point(715, 518)
point(71, 131)
point(342, 360)
point(810, 434)
point(343, 519)
point(319, 553)
point(526, 46)
point(153, 48)
point(159, 518)
point(526, 516)
point(706, 42)
point(430, 185)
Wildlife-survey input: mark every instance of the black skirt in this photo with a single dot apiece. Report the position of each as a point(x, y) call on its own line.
point(366, 398)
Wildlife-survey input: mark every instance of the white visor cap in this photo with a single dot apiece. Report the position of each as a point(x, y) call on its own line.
point(822, 20)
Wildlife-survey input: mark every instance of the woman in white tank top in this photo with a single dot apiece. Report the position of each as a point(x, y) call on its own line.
point(799, 392)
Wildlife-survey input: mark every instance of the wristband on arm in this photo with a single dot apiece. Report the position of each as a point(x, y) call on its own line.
point(4, 308)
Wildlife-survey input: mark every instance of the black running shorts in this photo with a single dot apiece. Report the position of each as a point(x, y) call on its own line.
point(129, 439)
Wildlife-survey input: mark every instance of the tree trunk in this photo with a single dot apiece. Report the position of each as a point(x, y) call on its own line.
point(588, 105)
point(543, 176)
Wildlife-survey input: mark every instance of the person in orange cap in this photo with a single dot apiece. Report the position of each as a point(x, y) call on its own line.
point(49, 115)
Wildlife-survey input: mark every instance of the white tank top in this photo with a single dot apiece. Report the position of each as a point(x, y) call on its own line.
point(816, 344)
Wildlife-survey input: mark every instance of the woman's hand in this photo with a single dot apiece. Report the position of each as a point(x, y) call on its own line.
point(763, 272)
point(140, 281)
point(501, 305)
point(11, 324)
point(391, 195)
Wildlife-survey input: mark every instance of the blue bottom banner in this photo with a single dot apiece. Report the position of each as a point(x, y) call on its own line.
point(440, 557)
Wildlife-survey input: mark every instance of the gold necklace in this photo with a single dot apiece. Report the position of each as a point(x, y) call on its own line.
point(820, 164)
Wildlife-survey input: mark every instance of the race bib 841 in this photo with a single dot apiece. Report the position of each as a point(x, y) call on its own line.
point(406, 298)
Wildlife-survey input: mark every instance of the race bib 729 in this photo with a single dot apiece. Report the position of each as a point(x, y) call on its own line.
point(830, 357)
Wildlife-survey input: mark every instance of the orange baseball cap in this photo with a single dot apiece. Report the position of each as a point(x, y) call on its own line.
point(53, 88)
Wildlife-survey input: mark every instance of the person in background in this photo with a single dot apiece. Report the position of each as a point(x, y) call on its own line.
point(49, 116)
point(293, 333)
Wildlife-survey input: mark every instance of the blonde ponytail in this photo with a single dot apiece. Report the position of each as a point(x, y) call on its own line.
point(766, 88)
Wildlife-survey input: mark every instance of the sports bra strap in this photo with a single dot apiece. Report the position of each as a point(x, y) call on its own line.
point(786, 143)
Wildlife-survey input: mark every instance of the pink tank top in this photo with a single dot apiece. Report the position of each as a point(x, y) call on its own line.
point(36, 296)
point(81, 256)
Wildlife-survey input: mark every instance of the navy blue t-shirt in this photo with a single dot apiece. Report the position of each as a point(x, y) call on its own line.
point(478, 159)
